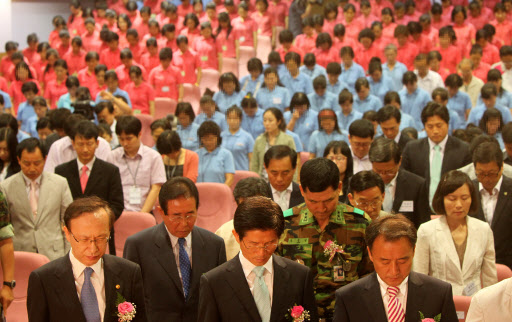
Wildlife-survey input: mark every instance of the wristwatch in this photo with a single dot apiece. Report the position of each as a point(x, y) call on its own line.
point(11, 284)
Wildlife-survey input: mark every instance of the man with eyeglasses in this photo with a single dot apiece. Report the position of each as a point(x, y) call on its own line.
point(495, 192)
point(322, 218)
point(37, 200)
point(91, 176)
point(361, 134)
point(256, 285)
point(84, 285)
point(405, 192)
point(174, 254)
point(367, 193)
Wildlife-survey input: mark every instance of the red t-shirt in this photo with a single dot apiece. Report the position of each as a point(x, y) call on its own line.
point(279, 12)
point(327, 56)
point(306, 44)
point(451, 57)
point(149, 61)
point(75, 62)
point(54, 91)
point(282, 52)
point(110, 58)
point(86, 78)
point(226, 46)
point(187, 63)
point(207, 51)
point(482, 70)
point(165, 81)
point(407, 53)
point(91, 42)
point(140, 96)
point(244, 30)
point(123, 74)
point(31, 55)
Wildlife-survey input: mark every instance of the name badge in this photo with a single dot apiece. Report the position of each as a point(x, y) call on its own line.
point(165, 89)
point(135, 195)
point(242, 39)
point(276, 100)
point(407, 206)
point(204, 58)
point(470, 289)
point(338, 274)
point(183, 73)
point(224, 48)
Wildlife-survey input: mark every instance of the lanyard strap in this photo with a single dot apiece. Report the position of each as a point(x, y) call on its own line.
point(136, 170)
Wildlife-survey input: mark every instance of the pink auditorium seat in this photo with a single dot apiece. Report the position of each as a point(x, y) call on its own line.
point(278, 30)
point(304, 156)
point(215, 205)
point(264, 47)
point(504, 272)
point(230, 65)
point(146, 121)
point(164, 106)
point(462, 306)
point(245, 53)
point(210, 80)
point(129, 223)
point(239, 175)
point(25, 263)
point(192, 94)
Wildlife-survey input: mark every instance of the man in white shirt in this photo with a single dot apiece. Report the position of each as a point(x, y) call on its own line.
point(88, 280)
point(492, 303)
point(105, 112)
point(393, 292)
point(256, 285)
point(471, 84)
point(428, 80)
point(361, 134)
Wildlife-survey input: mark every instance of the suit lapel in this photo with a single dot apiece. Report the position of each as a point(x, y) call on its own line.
point(66, 289)
point(414, 297)
point(94, 177)
point(74, 178)
point(281, 277)
point(20, 189)
point(503, 197)
point(444, 237)
point(480, 213)
point(424, 158)
point(472, 248)
point(45, 190)
point(236, 279)
point(112, 280)
point(294, 195)
point(399, 192)
point(166, 256)
point(373, 299)
point(198, 263)
point(447, 155)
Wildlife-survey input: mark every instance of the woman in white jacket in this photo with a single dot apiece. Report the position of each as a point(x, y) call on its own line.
point(456, 248)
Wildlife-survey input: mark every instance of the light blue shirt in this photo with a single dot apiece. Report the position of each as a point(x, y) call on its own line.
point(505, 99)
point(188, 136)
point(217, 117)
point(301, 83)
point(395, 75)
point(279, 97)
point(65, 102)
point(117, 92)
point(350, 76)
point(381, 87)
point(253, 124)
point(345, 121)
point(460, 103)
point(22, 136)
point(281, 69)
point(499, 137)
point(304, 126)
point(319, 140)
point(30, 126)
point(455, 122)
point(337, 88)
point(296, 140)
point(240, 145)
point(225, 101)
point(406, 121)
point(313, 73)
point(248, 85)
point(414, 103)
point(327, 101)
point(214, 166)
point(7, 100)
point(25, 112)
point(477, 112)
point(370, 103)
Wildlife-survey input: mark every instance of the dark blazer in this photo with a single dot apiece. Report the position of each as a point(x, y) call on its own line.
point(52, 294)
point(411, 187)
point(296, 197)
point(362, 300)
point(404, 139)
point(226, 284)
point(152, 250)
point(416, 157)
point(501, 222)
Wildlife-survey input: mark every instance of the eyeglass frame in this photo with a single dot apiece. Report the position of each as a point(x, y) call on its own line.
point(175, 219)
point(265, 247)
point(372, 204)
point(488, 175)
point(89, 241)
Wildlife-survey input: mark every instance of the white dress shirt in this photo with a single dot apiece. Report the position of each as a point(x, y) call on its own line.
point(390, 189)
point(430, 82)
point(250, 276)
point(282, 198)
point(361, 164)
point(176, 248)
point(97, 280)
point(401, 296)
point(89, 166)
point(489, 200)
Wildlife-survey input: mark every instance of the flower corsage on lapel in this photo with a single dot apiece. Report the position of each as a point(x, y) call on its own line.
point(436, 318)
point(298, 314)
point(125, 310)
point(331, 249)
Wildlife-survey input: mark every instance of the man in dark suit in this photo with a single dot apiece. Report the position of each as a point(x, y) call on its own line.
point(174, 254)
point(389, 118)
point(438, 153)
point(406, 193)
point(495, 194)
point(379, 297)
point(90, 176)
point(280, 163)
point(256, 285)
point(85, 284)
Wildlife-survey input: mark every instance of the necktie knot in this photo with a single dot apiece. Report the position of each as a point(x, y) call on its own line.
point(259, 270)
point(393, 291)
point(182, 241)
point(33, 184)
point(88, 272)
point(437, 148)
point(85, 168)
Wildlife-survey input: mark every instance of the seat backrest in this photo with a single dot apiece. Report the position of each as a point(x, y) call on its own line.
point(245, 53)
point(192, 94)
point(304, 156)
point(164, 106)
point(215, 205)
point(25, 263)
point(240, 174)
point(462, 306)
point(229, 65)
point(264, 47)
point(129, 223)
point(146, 121)
point(210, 80)
point(504, 272)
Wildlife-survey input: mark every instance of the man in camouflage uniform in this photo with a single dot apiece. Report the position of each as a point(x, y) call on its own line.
point(6, 255)
point(309, 226)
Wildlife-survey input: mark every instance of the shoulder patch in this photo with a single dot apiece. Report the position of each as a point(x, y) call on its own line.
point(358, 211)
point(288, 213)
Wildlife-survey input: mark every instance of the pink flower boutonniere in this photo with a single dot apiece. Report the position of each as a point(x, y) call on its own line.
point(436, 318)
point(298, 314)
point(125, 310)
point(331, 249)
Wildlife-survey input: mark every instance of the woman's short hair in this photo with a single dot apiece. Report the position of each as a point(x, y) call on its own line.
point(207, 128)
point(168, 142)
point(450, 182)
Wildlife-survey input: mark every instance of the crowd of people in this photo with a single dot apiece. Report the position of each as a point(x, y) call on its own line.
point(402, 108)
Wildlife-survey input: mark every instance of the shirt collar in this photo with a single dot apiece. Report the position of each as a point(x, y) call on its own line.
point(366, 157)
point(89, 165)
point(247, 266)
point(174, 239)
point(392, 183)
point(78, 267)
point(496, 188)
point(28, 181)
point(289, 188)
point(384, 286)
point(442, 144)
point(139, 152)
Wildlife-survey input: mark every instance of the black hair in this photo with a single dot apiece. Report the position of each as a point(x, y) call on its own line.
point(30, 145)
point(185, 107)
point(383, 149)
point(168, 142)
point(207, 128)
point(317, 175)
point(177, 187)
point(229, 77)
point(450, 182)
point(278, 152)
point(364, 180)
point(8, 135)
point(453, 81)
point(299, 99)
point(128, 124)
point(85, 129)
point(361, 128)
point(251, 187)
point(435, 109)
point(72, 81)
point(258, 213)
point(29, 87)
point(333, 68)
point(387, 112)
point(490, 114)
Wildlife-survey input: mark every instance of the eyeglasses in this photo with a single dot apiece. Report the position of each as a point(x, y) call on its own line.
point(482, 175)
point(390, 172)
point(99, 241)
point(367, 204)
point(181, 218)
point(361, 144)
point(267, 247)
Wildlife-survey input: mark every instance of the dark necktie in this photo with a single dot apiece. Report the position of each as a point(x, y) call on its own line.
point(89, 299)
point(185, 267)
